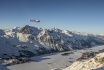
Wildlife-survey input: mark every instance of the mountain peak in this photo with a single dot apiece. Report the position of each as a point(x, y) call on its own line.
point(26, 30)
point(30, 30)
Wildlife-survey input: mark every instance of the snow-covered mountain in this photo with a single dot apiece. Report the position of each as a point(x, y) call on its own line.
point(32, 41)
point(95, 63)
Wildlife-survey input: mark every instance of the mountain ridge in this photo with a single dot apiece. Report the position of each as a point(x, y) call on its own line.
point(29, 40)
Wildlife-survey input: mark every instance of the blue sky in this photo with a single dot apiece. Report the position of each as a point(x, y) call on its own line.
point(73, 15)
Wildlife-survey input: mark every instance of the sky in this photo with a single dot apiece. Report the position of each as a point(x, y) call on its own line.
point(73, 15)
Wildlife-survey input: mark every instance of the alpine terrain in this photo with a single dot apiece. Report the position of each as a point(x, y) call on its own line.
point(31, 41)
point(95, 63)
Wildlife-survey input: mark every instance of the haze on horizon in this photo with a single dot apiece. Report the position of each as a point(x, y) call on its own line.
point(73, 15)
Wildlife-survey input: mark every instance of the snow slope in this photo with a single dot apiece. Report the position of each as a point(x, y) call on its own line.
point(89, 64)
point(32, 41)
point(3, 68)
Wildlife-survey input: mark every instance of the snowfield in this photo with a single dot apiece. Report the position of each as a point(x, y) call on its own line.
point(55, 61)
point(95, 63)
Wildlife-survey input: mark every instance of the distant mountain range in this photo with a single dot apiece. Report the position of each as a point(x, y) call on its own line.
point(31, 41)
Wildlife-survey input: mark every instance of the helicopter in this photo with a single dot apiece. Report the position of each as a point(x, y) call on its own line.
point(34, 20)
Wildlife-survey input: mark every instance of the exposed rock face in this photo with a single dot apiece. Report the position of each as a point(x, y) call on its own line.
point(29, 30)
point(26, 30)
point(30, 41)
